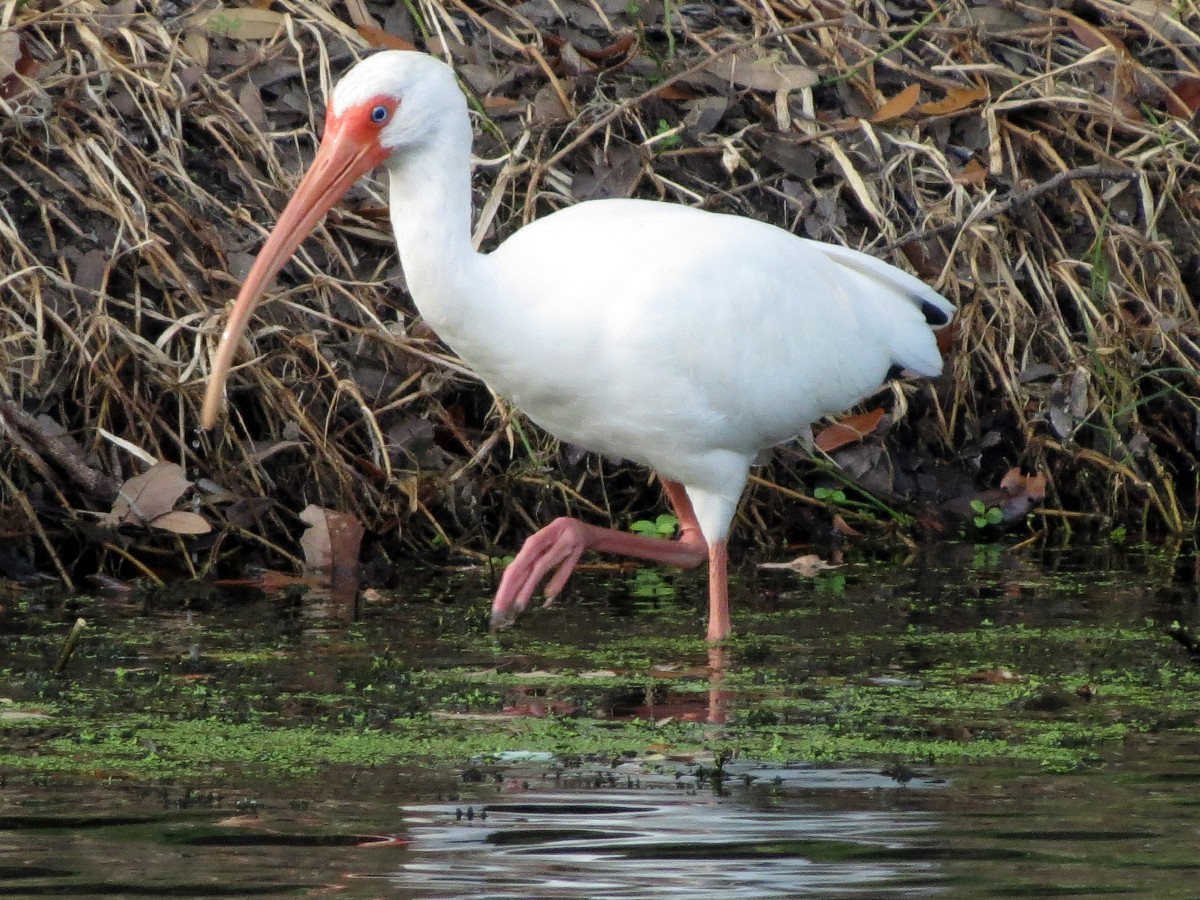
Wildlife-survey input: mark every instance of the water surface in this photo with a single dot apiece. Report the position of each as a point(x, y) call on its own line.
point(969, 723)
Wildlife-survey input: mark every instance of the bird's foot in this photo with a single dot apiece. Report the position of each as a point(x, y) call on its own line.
point(554, 552)
point(555, 548)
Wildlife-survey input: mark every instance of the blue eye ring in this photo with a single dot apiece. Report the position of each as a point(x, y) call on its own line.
point(379, 114)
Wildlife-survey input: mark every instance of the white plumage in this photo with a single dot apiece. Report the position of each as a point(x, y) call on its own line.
point(685, 340)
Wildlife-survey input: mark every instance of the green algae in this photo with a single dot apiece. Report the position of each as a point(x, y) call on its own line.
point(993, 661)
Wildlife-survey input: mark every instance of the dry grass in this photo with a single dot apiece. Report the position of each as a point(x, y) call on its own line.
point(1044, 179)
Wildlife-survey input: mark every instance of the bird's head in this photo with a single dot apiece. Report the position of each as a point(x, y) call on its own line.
point(392, 104)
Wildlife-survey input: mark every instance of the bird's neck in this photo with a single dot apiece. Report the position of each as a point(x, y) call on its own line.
point(431, 215)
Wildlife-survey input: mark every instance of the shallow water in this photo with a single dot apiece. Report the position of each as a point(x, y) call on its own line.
point(829, 832)
point(101, 797)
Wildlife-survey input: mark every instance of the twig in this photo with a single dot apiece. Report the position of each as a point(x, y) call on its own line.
point(896, 45)
point(1083, 172)
point(68, 649)
point(60, 448)
point(22, 500)
point(621, 108)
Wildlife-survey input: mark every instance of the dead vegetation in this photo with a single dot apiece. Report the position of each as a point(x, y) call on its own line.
point(1036, 161)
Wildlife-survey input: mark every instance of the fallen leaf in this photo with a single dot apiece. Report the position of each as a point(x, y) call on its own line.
point(1187, 92)
point(494, 105)
point(947, 336)
point(899, 105)
point(677, 92)
point(973, 173)
point(762, 73)
point(243, 23)
point(601, 54)
point(15, 62)
point(992, 21)
point(195, 45)
point(848, 430)
point(843, 528)
point(180, 521)
point(332, 540)
point(808, 565)
point(956, 98)
point(370, 595)
point(250, 100)
point(614, 176)
point(149, 496)
point(992, 676)
point(377, 37)
point(1017, 484)
point(1092, 37)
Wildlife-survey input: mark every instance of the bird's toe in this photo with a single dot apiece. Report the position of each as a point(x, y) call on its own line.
point(500, 618)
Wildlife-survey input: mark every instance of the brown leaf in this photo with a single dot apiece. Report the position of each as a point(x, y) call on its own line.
point(946, 336)
point(843, 528)
point(332, 540)
point(849, 430)
point(150, 495)
point(500, 105)
point(956, 98)
point(614, 176)
point(972, 173)
point(15, 60)
point(1018, 494)
point(269, 581)
point(618, 48)
point(808, 565)
point(993, 20)
point(677, 92)
point(1090, 36)
point(1016, 484)
point(377, 37)
point(899, 105)
point(762, 73)
point(1187, 92)
point(182, 522)
point(250, 100)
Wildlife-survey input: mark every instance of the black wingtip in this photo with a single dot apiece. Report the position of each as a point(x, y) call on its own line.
point(894, 371)
point(934, 314)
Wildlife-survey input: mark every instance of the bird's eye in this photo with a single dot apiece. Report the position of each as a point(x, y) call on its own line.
point(379, 114)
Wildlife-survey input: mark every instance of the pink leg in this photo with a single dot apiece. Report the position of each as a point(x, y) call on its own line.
point(555, 550)
point(718, 592)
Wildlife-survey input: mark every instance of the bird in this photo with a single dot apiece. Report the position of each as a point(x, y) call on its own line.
point(682, 339)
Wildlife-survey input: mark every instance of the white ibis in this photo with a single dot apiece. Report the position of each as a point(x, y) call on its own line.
point(684, 340)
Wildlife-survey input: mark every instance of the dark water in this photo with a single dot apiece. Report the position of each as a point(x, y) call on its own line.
point(792, 832)
point(537, 825)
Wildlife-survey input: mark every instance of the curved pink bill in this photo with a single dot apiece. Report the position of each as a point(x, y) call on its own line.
point(347, 152)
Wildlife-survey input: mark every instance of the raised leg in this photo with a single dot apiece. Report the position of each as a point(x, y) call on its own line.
point(554, 551)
